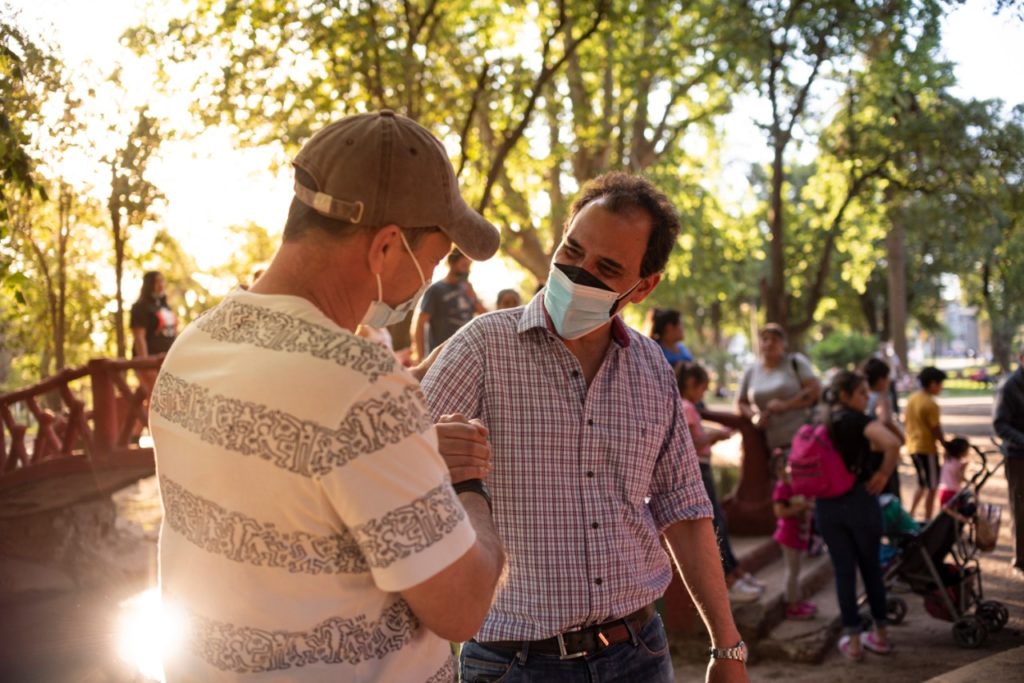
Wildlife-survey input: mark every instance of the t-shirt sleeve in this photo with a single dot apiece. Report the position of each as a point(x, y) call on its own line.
point(429, 301)
point(782, 492)
point(691, 416)
point(677, 490)
point(745, 384)
point(395, 496)
point(139, 317)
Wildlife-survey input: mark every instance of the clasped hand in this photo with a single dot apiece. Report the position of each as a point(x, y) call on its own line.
point(464, 446)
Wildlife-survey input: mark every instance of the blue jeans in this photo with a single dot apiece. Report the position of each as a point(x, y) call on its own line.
point(724, 547)
point(852, 528)
point(648, 660)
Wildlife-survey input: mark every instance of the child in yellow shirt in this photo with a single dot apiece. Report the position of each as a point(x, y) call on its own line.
point(924, 432)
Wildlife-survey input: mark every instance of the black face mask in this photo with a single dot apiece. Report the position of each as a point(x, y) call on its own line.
point(582, 277)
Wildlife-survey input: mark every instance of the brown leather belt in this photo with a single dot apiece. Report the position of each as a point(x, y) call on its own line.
point(584, 641)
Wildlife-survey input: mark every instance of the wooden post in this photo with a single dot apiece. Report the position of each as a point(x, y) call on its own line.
point(104, 407)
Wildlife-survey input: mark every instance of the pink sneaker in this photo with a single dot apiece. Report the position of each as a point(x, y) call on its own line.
point(844, 647)
point(810, 606)
point(801, 611)
point(875, 644)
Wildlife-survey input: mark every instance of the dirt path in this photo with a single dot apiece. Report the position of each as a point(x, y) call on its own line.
point(925, 647)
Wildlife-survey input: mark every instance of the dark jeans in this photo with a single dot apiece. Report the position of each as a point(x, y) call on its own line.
point(724, 547)
point(1015, 490)
point(646, 660)
point(852, 528)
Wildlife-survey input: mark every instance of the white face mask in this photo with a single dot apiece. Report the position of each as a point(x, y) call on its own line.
point(578, 302)
point(380, 314)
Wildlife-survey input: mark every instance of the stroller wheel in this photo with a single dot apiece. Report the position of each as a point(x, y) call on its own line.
point(969, 632)
point(993, 614)
point(896, 609)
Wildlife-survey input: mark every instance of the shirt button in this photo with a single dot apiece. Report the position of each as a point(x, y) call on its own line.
point(590, 423)
point(594, 525)
point(575, 373)
point(598, 581)
point(590, 475)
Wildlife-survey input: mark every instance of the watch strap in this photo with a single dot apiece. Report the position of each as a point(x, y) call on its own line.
point(476, 486)
point(737, 652)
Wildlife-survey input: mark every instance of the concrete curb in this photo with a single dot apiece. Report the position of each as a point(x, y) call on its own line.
point(1005, 666)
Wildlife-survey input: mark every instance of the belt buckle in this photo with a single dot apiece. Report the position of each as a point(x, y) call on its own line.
point(564, 654)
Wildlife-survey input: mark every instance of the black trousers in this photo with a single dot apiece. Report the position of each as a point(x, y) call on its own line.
point(1015, 490)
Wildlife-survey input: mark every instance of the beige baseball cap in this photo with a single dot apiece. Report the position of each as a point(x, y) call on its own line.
point(383, 168)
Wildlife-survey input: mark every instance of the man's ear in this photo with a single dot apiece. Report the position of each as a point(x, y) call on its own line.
point(644, 289)
point(382, 245)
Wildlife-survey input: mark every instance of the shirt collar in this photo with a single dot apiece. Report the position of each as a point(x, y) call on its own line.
point(535, 316)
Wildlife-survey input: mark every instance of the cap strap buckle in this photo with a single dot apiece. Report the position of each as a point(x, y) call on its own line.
point(328, 206)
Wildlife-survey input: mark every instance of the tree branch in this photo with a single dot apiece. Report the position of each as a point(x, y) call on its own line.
point(474, 103)
point(545, 75)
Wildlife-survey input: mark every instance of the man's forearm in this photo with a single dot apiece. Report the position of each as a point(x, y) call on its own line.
point(417, 340)
point(695, 550)
point(487, 536)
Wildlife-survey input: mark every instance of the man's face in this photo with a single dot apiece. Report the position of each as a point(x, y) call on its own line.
point(610, 246)
point(935, 388)
point(460, 269)
point(508, 300)
point(429, 252)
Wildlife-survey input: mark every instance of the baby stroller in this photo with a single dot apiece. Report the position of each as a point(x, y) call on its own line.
point(940, 563)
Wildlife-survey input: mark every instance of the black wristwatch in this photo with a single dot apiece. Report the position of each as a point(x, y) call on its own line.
point(737, 652)
point(476, 486)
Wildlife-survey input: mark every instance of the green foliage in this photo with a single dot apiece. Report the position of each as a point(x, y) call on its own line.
point(54, 251)
point(843, 350)
point(27, 71)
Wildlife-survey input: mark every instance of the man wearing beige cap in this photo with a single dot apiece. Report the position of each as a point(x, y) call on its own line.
point(311, 530)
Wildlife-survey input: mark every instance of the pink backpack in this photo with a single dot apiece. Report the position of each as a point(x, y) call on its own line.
point(815, 466)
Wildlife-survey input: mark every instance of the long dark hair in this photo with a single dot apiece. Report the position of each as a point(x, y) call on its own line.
point(148, 284)
point(660, 319)
point(845, 382)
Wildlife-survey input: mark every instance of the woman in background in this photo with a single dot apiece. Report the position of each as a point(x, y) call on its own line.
point(154, 325)
point(666, 328)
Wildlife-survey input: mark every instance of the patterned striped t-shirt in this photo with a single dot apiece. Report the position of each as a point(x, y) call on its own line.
point(302, 491)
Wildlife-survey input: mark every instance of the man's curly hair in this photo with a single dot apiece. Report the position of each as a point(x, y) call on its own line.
point(623, 191)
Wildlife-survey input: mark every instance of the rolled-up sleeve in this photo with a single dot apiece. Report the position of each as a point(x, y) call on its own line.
point(677, 490)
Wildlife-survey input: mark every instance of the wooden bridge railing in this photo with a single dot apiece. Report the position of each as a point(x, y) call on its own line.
point(55, 432)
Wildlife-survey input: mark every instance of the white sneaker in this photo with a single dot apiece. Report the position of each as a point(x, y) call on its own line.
point(752, 582)
point(742, 592)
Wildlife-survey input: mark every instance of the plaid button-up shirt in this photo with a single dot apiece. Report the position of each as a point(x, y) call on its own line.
point(583, 480)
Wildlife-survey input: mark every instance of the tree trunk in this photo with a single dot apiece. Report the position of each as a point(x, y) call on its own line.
point(118, 275)
point(60, 319)
point(896, 255)
point(775, 291)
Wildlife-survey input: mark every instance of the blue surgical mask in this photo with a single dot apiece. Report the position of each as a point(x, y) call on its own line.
point(579, 302)
point(380, 314)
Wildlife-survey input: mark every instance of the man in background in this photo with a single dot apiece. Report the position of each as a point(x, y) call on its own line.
point(447, 305)
point(1009, 425)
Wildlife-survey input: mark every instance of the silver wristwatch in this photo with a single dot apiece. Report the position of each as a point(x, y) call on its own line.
point(737, 652)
